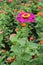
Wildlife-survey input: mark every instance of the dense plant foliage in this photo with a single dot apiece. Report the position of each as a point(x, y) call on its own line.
point(21, 35)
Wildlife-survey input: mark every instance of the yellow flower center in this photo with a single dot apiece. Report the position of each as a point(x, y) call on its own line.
point(26, 15)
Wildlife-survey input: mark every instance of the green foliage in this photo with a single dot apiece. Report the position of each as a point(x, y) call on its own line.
point(23, 44)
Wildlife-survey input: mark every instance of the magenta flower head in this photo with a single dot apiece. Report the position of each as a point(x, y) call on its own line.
point(26, 17)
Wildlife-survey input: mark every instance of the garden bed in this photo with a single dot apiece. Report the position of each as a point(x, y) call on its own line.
point(21, 32)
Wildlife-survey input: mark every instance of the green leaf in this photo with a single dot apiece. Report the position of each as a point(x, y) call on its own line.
point(13, 39)
point(26, 57)
point(16, 63)
point(1, 37)
point(22, 41)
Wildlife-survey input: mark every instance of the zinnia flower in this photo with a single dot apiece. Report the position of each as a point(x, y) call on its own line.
point(40, 14)
point(41, 41)
point(0, 0)
point(26, 17)
point(1, 32)
point(13, 34)
point(42, 53)
point(39, 8)
point(10, 1)
point(27, 5)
